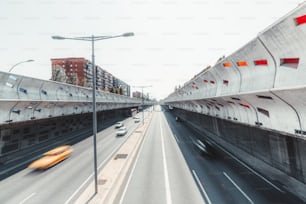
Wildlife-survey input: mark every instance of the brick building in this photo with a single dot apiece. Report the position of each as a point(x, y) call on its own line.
point(78, 71)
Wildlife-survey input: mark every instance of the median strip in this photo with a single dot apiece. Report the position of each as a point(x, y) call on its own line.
point(115, 172)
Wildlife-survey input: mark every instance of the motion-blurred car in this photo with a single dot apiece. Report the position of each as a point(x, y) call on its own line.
point(204, 148)
point(121, 131)
point(52, 157)
point(118, 124)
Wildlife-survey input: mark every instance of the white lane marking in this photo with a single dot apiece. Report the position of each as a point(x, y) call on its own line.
point(254, 172)
point(167, 184)
point(202, 188)
point(132, 172)
point(177, 140)
point(27, 198)
point(241, 191)
point(91, 175)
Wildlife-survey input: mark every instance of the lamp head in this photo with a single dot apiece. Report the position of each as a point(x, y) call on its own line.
point(127, 34)
point(57, 37)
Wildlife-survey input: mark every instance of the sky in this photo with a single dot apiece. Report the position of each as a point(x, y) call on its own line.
point(174, 39)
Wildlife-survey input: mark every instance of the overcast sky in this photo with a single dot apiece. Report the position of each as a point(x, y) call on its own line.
point(174, 39)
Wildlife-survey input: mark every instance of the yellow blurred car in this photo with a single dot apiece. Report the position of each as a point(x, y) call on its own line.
point(52, 157)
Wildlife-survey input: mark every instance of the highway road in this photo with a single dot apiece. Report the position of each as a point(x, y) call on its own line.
point(168, 169)
point(63, 182)
point(171, 169)
point(160, 174)
point(221, 177)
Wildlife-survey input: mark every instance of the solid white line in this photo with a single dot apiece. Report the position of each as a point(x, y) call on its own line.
point(91, 175)
point(27, 198)
point(132, 172)
point(254, 172)
point(202, 188)
point(177, 140)
point(167, 184)
point(241, 191)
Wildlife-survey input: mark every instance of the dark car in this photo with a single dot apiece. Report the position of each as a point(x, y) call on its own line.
point(204, 147)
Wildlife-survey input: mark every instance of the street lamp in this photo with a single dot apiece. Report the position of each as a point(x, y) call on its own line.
point(92, 39)
point(30, 60)
point(142, 101)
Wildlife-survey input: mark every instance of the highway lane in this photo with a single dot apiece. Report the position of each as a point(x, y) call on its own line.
point(63, 182)
point(224, 179)
point(160, 173)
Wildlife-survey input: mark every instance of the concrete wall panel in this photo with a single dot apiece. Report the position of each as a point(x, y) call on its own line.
point(22, 111)
point(273, 113)
point(5, 110)
point(51, 99)
point(285, 39)
point(252, 74)
point(229, 79)
point(297, 99)
point(28, 89)
point(9, 85)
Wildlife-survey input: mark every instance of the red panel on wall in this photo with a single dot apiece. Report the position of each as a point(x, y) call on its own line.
point(290, 62)
point(226, 64)
point(242, 63)
point(261, 62)
point(300, 20)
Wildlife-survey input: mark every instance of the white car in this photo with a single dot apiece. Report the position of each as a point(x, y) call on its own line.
point(136, 119)
point(121, 131)
point(119, 124)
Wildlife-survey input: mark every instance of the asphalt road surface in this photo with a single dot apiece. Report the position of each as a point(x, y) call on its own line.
point(221, 177)
point(160, 174)
point(63, 183)
point(168, 169)
point(171, 169)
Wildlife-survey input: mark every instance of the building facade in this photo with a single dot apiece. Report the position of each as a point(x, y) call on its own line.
point(78, 71)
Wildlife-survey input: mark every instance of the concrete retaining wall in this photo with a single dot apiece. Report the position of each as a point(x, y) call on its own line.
point(25, 141)
point(275, 155)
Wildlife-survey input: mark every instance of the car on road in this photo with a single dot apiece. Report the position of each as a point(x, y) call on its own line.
point(136, 119)
point(204, 147)
point(118, 124)
point(121, 131)
point(52, 157)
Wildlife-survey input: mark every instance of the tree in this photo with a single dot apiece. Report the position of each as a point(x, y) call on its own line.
point(74, 79)
point(59, 74)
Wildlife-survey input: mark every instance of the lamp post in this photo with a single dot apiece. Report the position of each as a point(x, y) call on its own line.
point(142, 101)
point(92, 39)
point(30, 60)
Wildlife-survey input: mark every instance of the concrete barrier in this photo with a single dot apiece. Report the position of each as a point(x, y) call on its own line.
point(250, 85)
point(286, 42)
point(9, 86)
point(52, 99)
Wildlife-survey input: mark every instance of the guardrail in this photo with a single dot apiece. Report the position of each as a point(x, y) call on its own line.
point(262, 84)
